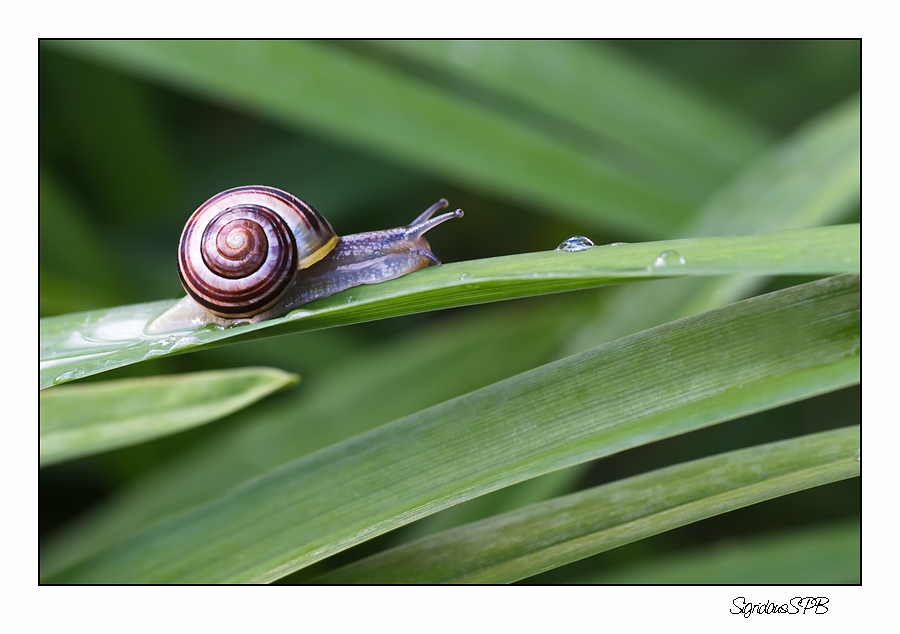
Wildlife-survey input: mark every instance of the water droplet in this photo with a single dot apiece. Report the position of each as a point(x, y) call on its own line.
point(857, 455)
point(165, 341)
point(184, 342)
point(465, 276)
point(616, 244)
point(71, 375)
point(121, 330)
point(575, 243)
point(351, 300)
point(668, 258)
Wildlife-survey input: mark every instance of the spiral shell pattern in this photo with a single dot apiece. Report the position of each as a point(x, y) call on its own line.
point(240, 250)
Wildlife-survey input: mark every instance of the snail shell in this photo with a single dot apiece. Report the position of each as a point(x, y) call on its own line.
point(240, 250)
point(253, 253)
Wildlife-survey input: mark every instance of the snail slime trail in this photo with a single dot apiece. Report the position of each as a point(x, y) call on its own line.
point(253, 253)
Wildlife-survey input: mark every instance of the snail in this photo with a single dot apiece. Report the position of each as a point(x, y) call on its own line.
point(253, 253)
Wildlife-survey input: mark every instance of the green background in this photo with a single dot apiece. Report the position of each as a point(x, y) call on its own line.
point(129, 147)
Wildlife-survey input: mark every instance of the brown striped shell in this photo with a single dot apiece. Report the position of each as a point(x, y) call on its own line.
point(241, 249)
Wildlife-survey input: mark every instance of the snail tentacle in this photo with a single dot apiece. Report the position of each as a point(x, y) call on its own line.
point(421, 225)
point(428, 213)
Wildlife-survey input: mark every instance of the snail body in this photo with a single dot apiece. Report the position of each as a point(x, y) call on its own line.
point(254, 253)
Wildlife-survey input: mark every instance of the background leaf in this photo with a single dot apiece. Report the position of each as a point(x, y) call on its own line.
point(328, 89)
point(78, 420)
point(512, 546)
point(692, 138)
point(808, 556)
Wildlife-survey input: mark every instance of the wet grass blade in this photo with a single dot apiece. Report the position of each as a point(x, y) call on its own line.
point(746, 357)
point(81, 344)
point(520, 544)
point(79, 420)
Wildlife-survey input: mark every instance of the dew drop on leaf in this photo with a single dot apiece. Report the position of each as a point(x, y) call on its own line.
point(575, 243)
point(670, 257)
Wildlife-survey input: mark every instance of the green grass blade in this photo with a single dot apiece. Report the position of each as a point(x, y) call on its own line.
point(441, 362)
point(517, 545)
point(808, 556)
point(81, 344)
point(768, 351)
point(326, 90)
point(604, 92)
point(79, 420)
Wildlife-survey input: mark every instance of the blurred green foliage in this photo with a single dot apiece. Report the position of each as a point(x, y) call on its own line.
point(134, 136)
